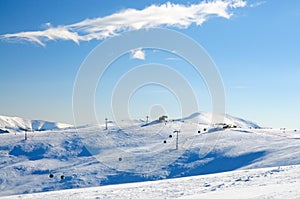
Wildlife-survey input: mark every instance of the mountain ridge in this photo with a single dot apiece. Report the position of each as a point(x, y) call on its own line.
point(18, 124)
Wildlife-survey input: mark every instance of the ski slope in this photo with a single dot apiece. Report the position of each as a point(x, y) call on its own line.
point(274, 182)
point(130, 151)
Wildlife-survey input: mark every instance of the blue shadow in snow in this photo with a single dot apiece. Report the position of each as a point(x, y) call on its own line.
point(123, 177)
point(219, 163)
point(36, 153)
point(180, 168)
point(40, 172)
point(85, 152)
point(152, 123)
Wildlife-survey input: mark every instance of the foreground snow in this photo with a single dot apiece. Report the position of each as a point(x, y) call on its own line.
point(276, 182)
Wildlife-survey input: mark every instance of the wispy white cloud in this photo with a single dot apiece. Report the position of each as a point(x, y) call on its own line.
point(39, 37)
point(173, 59)
point(138, 54)
point(166, 15)
point(254, 5)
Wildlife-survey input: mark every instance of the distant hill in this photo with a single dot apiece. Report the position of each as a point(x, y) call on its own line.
point(205, 118)
point(17, 124)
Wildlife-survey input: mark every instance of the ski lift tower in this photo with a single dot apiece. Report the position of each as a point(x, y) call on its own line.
point(106, 123)
point(26, 137)
point(176, 131)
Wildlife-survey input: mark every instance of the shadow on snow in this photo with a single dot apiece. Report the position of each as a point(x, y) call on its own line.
point(181, 167)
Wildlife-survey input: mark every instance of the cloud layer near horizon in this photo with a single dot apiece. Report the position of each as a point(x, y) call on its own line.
point(165, 15)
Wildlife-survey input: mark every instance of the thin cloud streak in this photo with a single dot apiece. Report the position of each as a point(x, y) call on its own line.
point(173, 59)
point(257, 4)
point(165, 15)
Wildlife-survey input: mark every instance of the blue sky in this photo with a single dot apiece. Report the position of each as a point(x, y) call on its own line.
point(256, 51)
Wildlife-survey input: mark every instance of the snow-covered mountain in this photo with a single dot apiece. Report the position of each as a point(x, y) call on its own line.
point(17, 124)
point(206, 118)
point(135, 152)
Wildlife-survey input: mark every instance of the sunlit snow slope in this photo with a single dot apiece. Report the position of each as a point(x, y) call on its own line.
point(133, 151)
